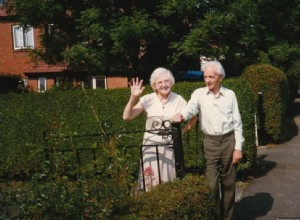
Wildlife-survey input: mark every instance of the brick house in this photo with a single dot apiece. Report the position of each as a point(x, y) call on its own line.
point(15, 43)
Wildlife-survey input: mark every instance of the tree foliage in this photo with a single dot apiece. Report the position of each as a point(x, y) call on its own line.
point(133, 37)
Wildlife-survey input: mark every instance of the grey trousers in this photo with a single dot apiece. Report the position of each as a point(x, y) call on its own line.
point(218, 151)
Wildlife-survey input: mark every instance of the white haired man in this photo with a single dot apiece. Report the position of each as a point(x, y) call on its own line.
point(220, 122)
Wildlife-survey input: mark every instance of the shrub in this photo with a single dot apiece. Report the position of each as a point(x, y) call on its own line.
point(25, 117)
point(106, 196)
point(188, 198)
point(99, 188)
point(272, 82)
point(91, 195)
point(246, 106)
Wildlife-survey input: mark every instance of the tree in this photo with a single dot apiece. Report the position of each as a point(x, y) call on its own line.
point(133, 37)
point(244, 32)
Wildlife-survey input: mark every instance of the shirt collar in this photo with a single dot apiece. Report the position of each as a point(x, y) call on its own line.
point(222, 91)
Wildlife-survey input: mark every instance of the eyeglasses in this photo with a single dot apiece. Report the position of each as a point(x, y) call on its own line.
point(159, 83)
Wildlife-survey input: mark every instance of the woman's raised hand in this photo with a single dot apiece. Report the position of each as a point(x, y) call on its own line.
point(136, 87)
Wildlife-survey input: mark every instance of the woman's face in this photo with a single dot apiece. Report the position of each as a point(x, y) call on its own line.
point(163, 85)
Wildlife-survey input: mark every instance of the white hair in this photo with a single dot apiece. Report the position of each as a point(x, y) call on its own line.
point(159, 72)
point(215, 64)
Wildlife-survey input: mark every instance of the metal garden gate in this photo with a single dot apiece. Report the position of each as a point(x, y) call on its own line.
point(169, 130)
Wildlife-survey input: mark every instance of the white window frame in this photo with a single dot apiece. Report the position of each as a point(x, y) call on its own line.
point(94, 81)
point(22, 38)
point(25, 81)
point(40, 80)
point(50, 27)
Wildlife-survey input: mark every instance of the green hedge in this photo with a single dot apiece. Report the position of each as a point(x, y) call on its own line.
point(188, 198)
point(273, 84)
point(25, 117)
point(246, 107)
point(102, 186)
point(60, 198)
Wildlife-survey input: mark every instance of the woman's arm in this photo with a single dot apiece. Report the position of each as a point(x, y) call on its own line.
point(131, 110)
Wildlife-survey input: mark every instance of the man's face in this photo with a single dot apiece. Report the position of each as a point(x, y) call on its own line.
point(212, 80)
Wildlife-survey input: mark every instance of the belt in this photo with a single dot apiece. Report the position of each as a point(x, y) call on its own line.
point(219, 136)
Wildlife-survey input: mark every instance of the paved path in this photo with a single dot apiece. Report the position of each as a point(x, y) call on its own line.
point(274, 193)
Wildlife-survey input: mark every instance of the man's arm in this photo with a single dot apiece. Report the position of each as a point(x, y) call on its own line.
point(192, 107)
point(238, 132)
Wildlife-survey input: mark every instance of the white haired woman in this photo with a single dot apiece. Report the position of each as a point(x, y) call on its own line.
point(159, 106)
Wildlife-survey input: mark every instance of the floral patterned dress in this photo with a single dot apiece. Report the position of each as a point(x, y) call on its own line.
point(155, 145)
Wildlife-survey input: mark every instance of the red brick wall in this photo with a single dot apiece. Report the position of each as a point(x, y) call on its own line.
point(50, 83)
point(116, 82)
point(32, 84)
point(18, 62)
point(14, 61)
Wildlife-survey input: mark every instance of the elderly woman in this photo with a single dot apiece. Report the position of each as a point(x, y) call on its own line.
point(159, 106)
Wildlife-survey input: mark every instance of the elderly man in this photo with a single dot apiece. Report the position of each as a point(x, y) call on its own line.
point(220, 121)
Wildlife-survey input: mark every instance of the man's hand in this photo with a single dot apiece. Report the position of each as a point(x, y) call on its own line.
point(237, 156)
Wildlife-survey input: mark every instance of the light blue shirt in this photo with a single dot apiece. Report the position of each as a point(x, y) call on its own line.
point(218, 114)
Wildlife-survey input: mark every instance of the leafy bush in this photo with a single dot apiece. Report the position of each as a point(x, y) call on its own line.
point(106, 195)
point(60, 198)
point(51, 194)
point(188, 198)
point(246, 106)
point(272, 82)
point(26, 117)
point(102, 187)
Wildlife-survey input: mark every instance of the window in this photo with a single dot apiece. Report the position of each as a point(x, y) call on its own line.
point(42, 84)
point(23, 85)
point(98, 82)
point(63, 82)
point(25, 81)
point(50, 28)
point(23, 37)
